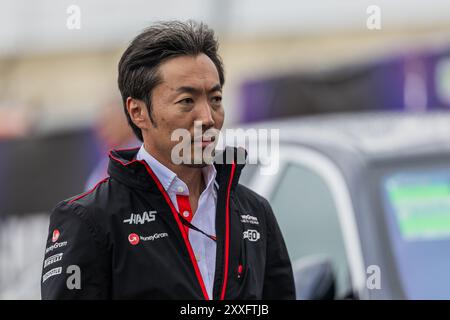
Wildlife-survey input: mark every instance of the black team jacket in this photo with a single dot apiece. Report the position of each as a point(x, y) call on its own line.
point(125, 240)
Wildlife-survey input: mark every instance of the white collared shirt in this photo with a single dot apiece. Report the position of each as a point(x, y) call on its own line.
point(204, 218)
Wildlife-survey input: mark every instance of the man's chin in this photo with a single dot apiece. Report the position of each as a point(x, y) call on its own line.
point(198, 166)
point(193, 161)
point(199, 163)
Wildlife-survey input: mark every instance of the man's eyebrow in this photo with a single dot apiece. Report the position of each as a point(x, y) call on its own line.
point(217, 87)
point(192, 90)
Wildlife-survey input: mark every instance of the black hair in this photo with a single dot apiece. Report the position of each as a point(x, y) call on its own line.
point(139, 64)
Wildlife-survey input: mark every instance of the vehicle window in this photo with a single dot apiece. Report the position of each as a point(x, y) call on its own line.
point(248, 173)
point(306, 213)
point(416, 203)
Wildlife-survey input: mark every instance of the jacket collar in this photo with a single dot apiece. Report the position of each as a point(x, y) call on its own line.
point(169, 179)
point(124, 167)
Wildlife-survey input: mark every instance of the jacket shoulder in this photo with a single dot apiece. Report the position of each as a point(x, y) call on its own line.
point(252, 203)
point(91, 197)
point(246, 194)
point(91, 206)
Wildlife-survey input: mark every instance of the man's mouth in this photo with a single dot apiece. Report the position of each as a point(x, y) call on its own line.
point(205, 141)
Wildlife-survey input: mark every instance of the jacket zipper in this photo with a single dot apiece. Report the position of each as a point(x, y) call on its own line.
point(181, 228)
point(242, 261)
point(227, 234)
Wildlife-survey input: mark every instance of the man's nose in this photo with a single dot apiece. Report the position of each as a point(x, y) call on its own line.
point(205, 115)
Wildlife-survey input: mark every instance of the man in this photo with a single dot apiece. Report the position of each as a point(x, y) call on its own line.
point(157, 228)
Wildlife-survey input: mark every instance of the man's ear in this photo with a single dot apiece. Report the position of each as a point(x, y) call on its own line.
point(137, 111)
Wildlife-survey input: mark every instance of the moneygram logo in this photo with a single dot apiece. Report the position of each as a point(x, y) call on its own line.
point(133, 238)
point(55, 235)
point(154, 237)
point(55, 246)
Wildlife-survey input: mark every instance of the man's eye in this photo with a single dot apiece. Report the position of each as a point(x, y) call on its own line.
point(217, 99)
point(187, 101)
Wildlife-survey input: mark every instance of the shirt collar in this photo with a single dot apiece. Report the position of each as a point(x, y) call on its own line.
point(209, 175)
point(167, 177)
point(164, 174)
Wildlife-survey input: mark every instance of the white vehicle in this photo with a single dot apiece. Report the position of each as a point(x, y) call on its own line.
point(363, 201)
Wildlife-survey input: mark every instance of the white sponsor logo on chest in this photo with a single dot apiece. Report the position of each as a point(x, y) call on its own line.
point(141, 218)
point(249, 219)
point(252, 235)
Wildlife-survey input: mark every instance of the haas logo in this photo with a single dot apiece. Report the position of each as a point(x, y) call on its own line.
point(141, 218)
point(252, 235)
point(133, 238)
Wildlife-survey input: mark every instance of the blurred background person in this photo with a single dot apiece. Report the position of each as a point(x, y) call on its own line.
point(113, 132)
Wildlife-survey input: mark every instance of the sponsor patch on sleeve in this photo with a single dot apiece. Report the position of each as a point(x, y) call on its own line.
point(55, 246)
point(50, 260)
point(51, 273)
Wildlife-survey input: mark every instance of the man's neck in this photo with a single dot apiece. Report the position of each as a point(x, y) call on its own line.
point(192, 176)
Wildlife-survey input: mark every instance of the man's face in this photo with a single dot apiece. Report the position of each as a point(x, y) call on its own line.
point(190, 91)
